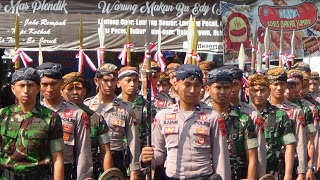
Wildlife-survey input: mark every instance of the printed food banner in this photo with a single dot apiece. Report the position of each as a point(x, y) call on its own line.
point(289, 15)
point(55, 23)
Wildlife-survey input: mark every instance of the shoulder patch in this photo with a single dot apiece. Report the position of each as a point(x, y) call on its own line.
point(316, 115)
point(86, 121)
point(222, 126)
point(260, 122)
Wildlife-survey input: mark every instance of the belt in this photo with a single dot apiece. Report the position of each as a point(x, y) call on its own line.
point(34, 175)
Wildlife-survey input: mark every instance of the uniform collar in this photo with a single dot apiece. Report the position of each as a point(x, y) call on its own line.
point(198, 108)
point(63, 103)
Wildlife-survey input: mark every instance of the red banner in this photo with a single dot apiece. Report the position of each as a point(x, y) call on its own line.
point(288, 18)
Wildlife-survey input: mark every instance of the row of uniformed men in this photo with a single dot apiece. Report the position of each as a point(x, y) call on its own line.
point(187, 134)
point(276, 133)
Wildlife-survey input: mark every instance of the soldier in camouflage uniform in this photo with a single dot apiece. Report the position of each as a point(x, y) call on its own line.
point(278, 85)
point(307, 107)
point(75, 123)
point(74, 90)
point(237, 85)
point(120, 118)
point(241, 135)
point(30, 134)
point(278, 128)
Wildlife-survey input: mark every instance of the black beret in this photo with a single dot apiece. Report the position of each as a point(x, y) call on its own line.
point(236, 72)
point(28, 73)
point(51, 70)
point(220, 75)
point(189, 70)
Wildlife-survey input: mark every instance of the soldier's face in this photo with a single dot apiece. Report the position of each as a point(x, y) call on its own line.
point(298, 87)
point(220, 93)
point(189, 90)
point(314, 86)
point(164, 87)
point(106, 84)
point(289, 92)
point(74, 93)
point(236, 87)
point(304, 91)
point(129, 84)
point(277, 89)
point(25, 91)
point(258, 94)
point(50, 88)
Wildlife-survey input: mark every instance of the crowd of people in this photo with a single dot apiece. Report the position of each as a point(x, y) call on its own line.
point(200, 127)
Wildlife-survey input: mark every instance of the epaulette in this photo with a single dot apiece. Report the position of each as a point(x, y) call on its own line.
point(88, 99)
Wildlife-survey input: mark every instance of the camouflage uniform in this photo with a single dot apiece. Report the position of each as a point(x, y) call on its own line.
point(27, 140)
point(279, 132)
point(241, 136)
point(99, 136)
point(308, 115)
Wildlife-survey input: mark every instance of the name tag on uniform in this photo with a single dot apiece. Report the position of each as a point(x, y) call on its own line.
point(118, 122)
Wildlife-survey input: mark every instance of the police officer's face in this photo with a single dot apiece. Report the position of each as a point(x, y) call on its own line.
point(106, 84)
point(25, 91)
point(314, 86)
point(129, 84)
point(74, 93)
point(236, 87)
point(220, 92)
point(289, 92)
point(164, 87)
point(258, 94)
point(277, 89)
point(50, 88)
point(189, 90)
